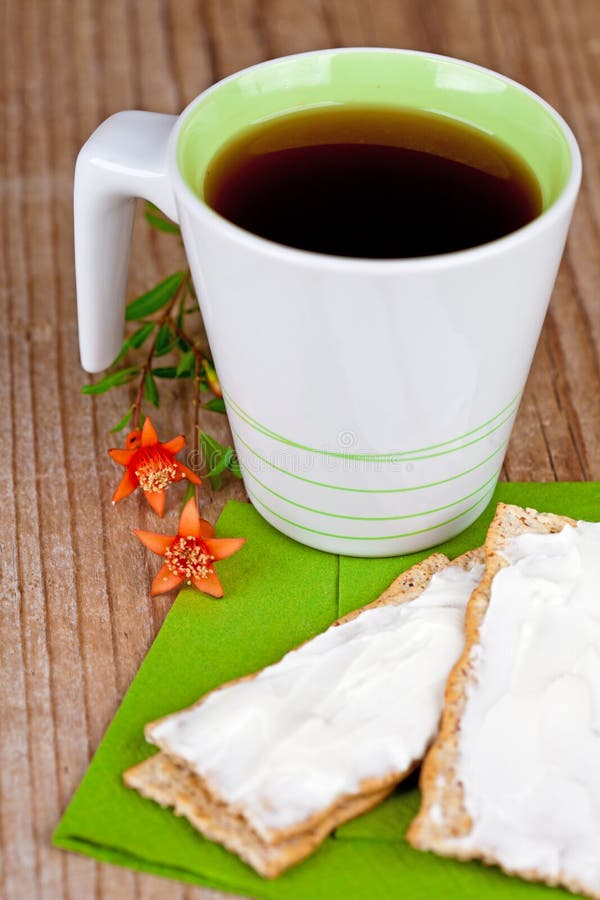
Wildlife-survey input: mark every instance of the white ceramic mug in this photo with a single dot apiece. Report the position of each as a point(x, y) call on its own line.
point(371, 401)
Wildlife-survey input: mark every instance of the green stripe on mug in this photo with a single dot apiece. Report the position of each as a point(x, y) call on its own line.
point(356, 490)
point(321, 512)
point(368, 537)
point(393, 457)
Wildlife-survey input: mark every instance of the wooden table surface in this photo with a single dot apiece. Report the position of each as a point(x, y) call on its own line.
point(76, 615)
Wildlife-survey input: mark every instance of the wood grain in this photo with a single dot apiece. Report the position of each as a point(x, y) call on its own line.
point(76, 616)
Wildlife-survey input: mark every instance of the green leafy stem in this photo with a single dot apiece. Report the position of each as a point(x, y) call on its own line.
point(161, 330)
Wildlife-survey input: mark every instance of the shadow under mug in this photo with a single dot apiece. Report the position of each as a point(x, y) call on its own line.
point(371, 401)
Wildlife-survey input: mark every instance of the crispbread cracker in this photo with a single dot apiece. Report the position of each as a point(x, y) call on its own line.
point(442, 817)
point(407, 586)
point(170, 784)
point(410, 584)
point(168, 780)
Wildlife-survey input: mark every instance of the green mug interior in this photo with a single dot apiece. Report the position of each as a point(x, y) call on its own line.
point(377, 77)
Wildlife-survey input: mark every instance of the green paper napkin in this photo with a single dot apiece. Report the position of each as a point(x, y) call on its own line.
point(278, 593)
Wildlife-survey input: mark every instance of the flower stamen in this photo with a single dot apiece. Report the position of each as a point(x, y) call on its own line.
point(188, 558)
point(155, 470)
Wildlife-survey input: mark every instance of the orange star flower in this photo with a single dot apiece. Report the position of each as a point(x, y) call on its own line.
point(150, 465)
point(189, 555)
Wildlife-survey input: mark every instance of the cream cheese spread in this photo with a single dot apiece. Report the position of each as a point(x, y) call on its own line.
point(529, 741)
point(360, 701)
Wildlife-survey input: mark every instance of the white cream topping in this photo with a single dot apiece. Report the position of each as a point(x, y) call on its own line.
point(529, 744)
point(361, 700)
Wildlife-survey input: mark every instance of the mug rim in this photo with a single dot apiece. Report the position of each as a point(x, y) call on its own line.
point(268, 247)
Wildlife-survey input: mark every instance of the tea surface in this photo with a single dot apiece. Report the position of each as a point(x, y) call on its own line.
point(371, 182)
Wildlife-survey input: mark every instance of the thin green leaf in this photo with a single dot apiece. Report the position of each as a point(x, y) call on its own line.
point(212, 450)
point(212, 377)
point(154, 210)
point(153, 300)
point(123, 376)
point(165, 372)
point(151, 390)
point(123, 422)
point(161, 224)
point(223, 463)
point(142, 334)
point(181, 342)
point(214, 476)
point(234, 466)
point(185, 366)
point(189, 493)
point(216, 482)
point(217, 459)
point(124, 348)
point(165, 340)
point(212, 455)
point(182, 311)
point(216, 404)
point(135, 340)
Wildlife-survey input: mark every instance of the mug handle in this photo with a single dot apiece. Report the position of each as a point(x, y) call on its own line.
point(124, 158)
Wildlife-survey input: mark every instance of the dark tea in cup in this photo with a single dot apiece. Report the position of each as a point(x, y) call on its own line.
point(374, 182)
